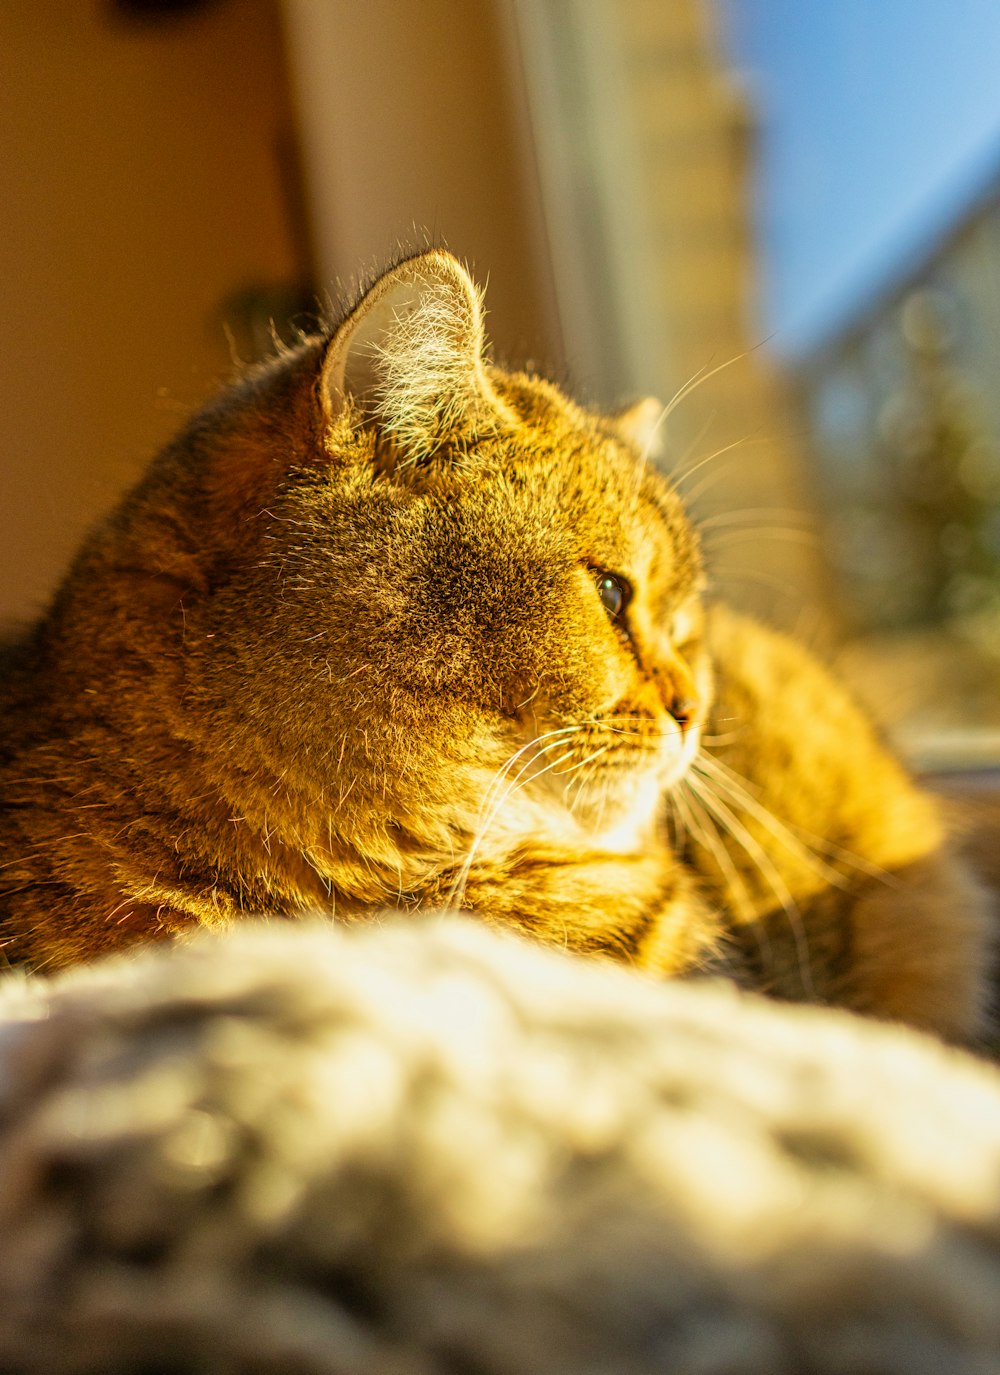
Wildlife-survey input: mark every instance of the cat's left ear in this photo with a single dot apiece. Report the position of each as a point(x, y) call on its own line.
point(642, 426)
point(410, 356)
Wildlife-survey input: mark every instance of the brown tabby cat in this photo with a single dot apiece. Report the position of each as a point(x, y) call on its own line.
point(388, 626)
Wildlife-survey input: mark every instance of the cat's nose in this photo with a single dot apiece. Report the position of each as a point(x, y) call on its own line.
point(677, 689)
point(684, 709)
point(680, 692)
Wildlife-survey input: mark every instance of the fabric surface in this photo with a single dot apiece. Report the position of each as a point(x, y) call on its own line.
point(419, 1148)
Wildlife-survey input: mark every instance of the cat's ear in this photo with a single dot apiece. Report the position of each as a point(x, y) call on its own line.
point(410, 356)
point(642, 426)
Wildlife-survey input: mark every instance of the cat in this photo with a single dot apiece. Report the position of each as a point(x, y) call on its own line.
point(390, 627)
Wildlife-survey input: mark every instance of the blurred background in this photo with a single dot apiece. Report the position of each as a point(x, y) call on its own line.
point(784, 214)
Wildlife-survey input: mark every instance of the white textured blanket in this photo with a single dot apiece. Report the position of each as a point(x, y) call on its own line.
point(424, 1149)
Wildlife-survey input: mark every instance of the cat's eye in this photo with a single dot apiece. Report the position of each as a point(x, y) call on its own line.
point(614, 593)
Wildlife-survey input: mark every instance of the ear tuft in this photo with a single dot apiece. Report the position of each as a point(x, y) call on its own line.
point(410, 355)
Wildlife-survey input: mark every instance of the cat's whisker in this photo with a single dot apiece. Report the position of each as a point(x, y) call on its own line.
point(584, 762)
point(573, 790)
point(651, 733)
point(679, 478)
point(650, 736)
point(503, 784)
point(737, 791)
point(768, 870)
point(802, 842)
point(679, 470)
point(498, 794)
point(500, 776)
point(675, 824)
point(583, 777)
point(703, 375)
point(704, 829)
point(497, 806)
point(709, 481)
point(602, 810)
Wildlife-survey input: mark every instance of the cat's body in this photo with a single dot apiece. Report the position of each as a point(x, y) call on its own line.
point(389, 627)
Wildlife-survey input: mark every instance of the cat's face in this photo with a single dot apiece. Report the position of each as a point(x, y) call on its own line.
point(463, 603)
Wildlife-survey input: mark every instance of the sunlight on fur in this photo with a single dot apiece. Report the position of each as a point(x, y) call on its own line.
point(391, 626)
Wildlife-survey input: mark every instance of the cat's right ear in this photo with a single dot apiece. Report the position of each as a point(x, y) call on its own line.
point(410, 356)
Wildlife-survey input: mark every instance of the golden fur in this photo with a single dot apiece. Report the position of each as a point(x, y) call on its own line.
point(346, 646)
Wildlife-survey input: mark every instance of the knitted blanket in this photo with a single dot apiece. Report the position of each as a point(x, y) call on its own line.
point(422, 1148)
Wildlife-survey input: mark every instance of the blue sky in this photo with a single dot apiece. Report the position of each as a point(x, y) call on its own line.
point(879, 122)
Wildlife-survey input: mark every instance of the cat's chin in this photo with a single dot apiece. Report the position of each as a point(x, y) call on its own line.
point(677, 764)
point(622, 817)
point(622, 809)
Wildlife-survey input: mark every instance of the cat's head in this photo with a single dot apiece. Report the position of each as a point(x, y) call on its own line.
point(433, 586)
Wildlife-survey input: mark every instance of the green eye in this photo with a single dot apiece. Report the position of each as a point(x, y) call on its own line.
point(614, 593)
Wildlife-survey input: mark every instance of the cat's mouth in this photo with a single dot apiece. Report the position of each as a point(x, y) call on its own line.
point(662, 746)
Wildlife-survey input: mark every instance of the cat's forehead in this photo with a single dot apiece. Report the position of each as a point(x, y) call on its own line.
point(592, 452)
point(584, 474)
